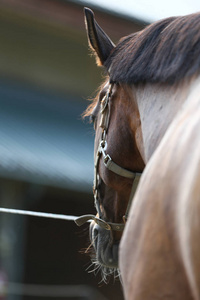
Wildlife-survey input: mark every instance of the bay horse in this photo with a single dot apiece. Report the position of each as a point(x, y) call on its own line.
point(147, 119)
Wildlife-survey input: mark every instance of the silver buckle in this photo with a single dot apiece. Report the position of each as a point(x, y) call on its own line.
point(103, 146)
point(107, 159)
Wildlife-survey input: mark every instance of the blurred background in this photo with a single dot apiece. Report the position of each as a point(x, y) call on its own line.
point(46, 149)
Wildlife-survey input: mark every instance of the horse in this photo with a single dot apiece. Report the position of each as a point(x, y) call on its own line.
point(147, 120)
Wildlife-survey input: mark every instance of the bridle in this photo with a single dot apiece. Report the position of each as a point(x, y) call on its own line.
point(110, 165)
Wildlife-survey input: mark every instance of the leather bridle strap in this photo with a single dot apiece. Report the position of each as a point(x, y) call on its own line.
point(112, 166)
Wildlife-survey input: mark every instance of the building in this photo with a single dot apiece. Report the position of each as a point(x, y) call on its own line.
point(46, 150)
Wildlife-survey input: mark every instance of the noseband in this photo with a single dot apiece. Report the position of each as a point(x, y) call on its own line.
point(110, 165)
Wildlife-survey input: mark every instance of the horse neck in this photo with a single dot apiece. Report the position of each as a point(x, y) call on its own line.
point(158, 105)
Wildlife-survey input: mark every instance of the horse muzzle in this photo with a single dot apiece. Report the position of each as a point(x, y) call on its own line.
point(106, 251)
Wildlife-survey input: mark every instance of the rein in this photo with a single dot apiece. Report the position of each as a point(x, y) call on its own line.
point(110, 165)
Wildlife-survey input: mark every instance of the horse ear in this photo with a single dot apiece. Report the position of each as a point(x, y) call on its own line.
point(99, 42)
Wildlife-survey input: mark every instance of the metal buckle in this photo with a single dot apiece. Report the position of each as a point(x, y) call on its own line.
point(103, 147)
point(107, 159)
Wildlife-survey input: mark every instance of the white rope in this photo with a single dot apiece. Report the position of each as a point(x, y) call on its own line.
point(37, 214)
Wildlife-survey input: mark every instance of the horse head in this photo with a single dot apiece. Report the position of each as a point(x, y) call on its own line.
point(147, 113)
point(118, 154)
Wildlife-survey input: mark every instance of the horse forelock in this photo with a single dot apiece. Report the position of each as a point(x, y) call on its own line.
point(165, 51)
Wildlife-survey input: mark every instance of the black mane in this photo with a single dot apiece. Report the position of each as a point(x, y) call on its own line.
point(165, 51)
